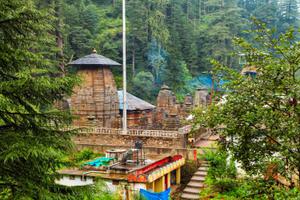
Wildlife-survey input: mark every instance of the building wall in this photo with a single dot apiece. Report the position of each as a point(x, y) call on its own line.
point(70, 180)
point(140, 119)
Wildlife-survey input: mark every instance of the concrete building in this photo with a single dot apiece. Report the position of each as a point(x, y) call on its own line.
point(128, 173)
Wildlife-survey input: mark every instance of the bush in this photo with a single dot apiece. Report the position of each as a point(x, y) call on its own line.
point(225, 184)
point(77, 158)
point(83, 155)
point(222, 172)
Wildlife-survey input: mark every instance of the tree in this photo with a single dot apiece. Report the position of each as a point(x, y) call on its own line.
point(142, 85)
point(31, 129)
point(220, 24)
point(262, 114)
point(288, 14)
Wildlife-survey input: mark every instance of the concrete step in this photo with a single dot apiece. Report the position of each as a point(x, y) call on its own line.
point(203, 169)
point(204, 161)
point(187, 196)
point(195, 184)
point(201, 173)
point(198, 178)
point(205, 165)
point(192, 190)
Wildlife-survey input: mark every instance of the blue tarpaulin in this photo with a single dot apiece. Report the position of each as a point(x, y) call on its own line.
point(205, 80)
point(99, 162)
point(147, 195)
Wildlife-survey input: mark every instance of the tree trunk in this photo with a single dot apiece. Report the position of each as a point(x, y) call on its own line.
point(133, 62)
point(199, 9)
point(59, 36)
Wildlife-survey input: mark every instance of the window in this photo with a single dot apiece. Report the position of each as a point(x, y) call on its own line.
point(83, 178)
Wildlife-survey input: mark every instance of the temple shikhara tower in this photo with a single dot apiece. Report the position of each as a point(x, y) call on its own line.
point(95, 101)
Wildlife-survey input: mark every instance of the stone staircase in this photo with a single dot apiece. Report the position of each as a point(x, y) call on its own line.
point(193, 188)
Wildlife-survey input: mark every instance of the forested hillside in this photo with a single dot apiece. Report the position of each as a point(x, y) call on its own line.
point(169, 41)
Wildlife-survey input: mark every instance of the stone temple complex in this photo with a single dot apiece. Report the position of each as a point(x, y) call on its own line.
point(98, 107)
point(149, 155)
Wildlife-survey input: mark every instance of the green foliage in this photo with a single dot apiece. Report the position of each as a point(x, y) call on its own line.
point(222, 182)
point(249, 189)
point(222, 171)
point(187, 34)
point(261, 114)
point(76, 159)
point(32, 139)
point(219, 26)
point(85, 154)
point(142, 85)
point(178, 81)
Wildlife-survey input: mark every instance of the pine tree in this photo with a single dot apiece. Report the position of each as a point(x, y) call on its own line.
point(288, 14)
point(220, 24)
point(31, 129)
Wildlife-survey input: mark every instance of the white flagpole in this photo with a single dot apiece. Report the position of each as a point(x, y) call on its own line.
point(124, 68)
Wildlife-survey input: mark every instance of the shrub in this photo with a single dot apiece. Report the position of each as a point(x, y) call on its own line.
point(85, 154)
point(222, 171)
point(77, 158)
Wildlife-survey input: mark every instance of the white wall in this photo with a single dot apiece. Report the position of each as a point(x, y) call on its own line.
point(66, 180)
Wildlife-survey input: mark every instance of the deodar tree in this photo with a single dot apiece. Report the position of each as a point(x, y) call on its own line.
point(261, 114)
point(31, 136)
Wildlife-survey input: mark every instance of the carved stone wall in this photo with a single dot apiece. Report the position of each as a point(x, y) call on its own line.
point(167, 110)
point(95, 101)
point(140, 119)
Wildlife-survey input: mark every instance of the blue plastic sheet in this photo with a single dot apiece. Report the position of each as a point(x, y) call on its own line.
point(147, 195)
point(99, 162)
point(205, 80)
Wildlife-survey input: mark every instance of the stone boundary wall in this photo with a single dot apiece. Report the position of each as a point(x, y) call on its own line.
point(131, 132)
point(129, 140)
point(138, 132)
point(186, 153)
point(116, 137)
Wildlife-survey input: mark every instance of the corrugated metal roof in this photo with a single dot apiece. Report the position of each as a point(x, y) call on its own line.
point(94, 59)
point(249, 69)
point(133, 102)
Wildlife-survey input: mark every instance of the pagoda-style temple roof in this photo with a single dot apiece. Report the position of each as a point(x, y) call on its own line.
point(134, 103)
point(95, 59)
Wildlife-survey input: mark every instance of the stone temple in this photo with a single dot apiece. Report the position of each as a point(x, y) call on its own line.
point(95, 101)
